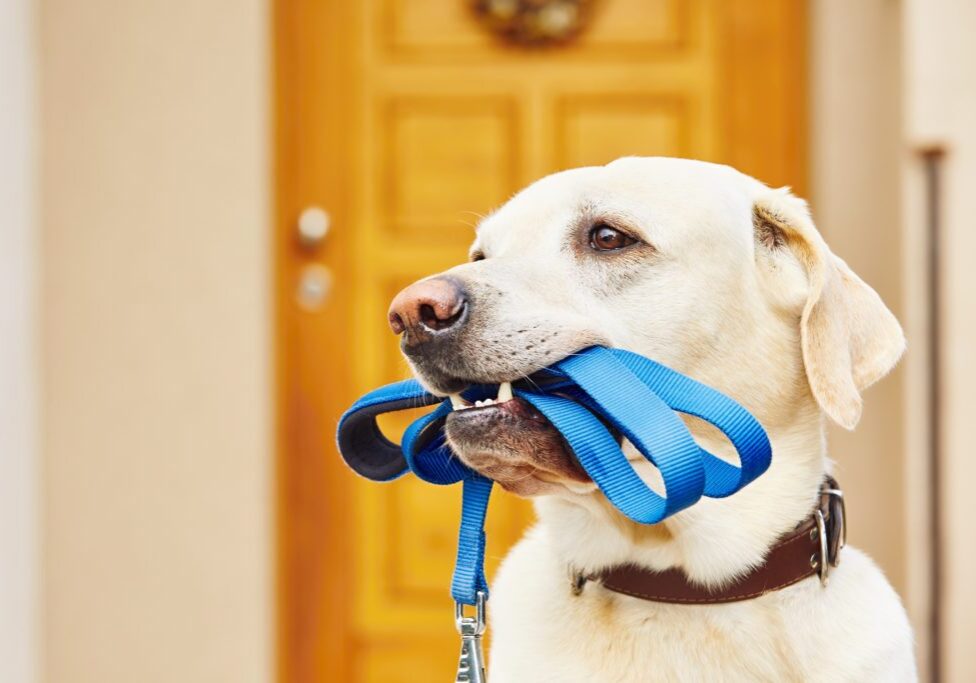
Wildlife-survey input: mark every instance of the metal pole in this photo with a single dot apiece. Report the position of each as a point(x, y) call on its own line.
point(932, 160)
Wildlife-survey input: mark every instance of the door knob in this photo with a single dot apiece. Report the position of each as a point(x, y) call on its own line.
point(314, 285)
point(313, 226)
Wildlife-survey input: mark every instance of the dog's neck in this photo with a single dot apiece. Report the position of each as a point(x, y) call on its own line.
point(714, 540)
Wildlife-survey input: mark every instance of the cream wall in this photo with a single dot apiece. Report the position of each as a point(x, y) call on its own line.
point(18, 359)
point(858, 156)
point(888, 78)
point(856, 151)
point(940, 107)
point(157, 380)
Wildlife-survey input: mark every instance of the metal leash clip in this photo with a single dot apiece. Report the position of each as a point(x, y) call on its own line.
point(471, 665)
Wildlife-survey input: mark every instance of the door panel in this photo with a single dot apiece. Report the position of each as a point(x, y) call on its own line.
point(591, 129)
point(431, 180)
point(407, 121)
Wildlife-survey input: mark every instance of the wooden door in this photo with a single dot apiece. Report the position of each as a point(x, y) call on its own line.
point(405, 120)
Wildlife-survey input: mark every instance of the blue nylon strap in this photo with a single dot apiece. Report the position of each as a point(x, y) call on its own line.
point(679, 393)
point(634, 394)
point(434, 463)
point(686, 395)
point(469, 569)
point(645, 420)
point(598, 453)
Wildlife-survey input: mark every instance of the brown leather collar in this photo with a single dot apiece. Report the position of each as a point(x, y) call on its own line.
point(811, 548)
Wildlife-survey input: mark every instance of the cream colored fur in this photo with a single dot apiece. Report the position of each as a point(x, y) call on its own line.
point(744, 295)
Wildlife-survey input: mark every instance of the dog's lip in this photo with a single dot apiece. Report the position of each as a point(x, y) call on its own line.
point(539, 379)
point(533, 381)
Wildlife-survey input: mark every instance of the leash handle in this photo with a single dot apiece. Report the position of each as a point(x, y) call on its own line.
point(361, 443)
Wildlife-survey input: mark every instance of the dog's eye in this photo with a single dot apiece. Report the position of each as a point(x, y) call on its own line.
point(605, 238)
point(476, 256)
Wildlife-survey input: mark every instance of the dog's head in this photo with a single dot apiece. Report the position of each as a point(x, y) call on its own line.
point(693, 264)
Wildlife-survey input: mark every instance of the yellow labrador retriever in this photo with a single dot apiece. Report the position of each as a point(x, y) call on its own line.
point(724, 279)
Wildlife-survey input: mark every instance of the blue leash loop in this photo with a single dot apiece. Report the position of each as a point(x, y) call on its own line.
point(636, 395)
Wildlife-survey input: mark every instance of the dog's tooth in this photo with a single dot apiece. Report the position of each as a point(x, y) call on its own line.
point(457, 402)
point(504, 392)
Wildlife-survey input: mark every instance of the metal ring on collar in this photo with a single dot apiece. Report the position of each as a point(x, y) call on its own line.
point(823, 564)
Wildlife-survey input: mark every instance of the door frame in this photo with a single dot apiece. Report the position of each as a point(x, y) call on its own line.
point(311, 153)
point(763, 129)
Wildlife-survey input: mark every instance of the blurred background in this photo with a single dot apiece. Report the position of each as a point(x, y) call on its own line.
point(207, 205)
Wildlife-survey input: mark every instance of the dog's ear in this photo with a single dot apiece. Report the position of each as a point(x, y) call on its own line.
point(849, 338)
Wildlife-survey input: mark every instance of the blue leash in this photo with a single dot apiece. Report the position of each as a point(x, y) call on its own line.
point(636, 395)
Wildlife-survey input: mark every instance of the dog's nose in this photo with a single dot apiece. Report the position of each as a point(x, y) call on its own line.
point(427, 308)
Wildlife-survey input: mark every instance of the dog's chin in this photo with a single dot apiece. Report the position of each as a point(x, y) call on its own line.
point(514, 445)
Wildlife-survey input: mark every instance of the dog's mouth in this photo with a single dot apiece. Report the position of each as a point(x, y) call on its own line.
point(508, 440)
